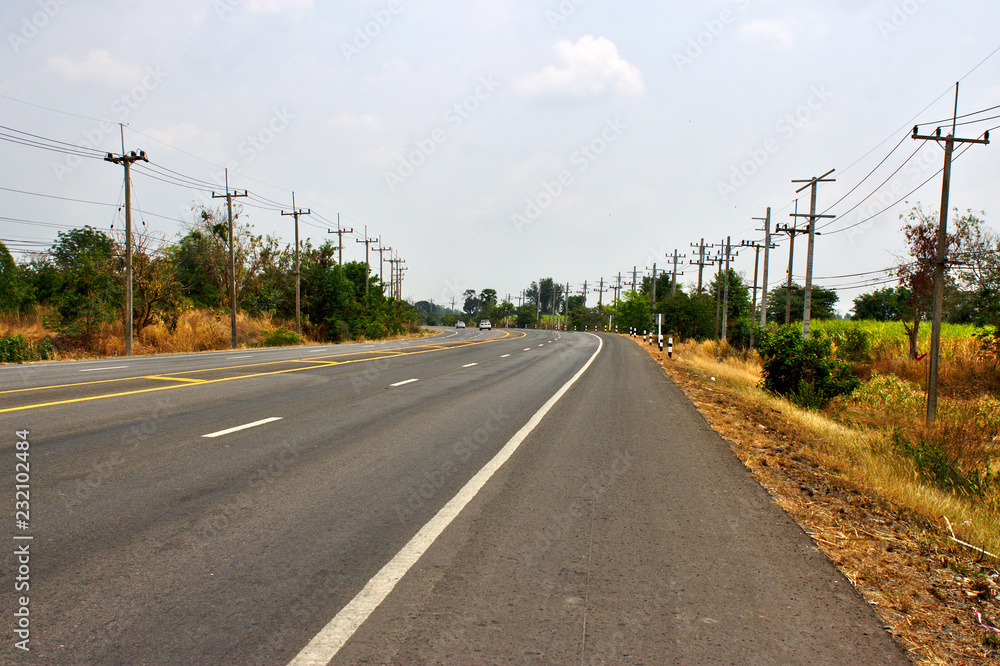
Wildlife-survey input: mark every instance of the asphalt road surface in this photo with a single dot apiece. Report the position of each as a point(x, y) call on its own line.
point(496, 496)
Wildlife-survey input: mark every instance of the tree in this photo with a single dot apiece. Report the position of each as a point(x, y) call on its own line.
point(88, 295)
point(633, 312)
point(821, 307)
point(738, 312)
point(917, 275)
point(981, 280)
point(15, 289)
point(156, 291)
point(885, 304)
point(526, 316)
point(472, 303)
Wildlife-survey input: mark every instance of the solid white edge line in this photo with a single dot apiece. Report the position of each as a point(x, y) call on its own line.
point(110, 367)
point(243, 427)
point(325, 645)
point(405, 381)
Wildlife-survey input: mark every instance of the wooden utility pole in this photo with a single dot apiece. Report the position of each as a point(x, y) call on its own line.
point(298, 273)
point(941, 256)
point(229, 196)
point(126, 161)
point(807, 298)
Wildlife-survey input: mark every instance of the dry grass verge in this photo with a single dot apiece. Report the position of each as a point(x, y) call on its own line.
point(864, 508)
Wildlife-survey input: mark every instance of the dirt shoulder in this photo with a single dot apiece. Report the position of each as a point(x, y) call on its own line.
point(925, 588)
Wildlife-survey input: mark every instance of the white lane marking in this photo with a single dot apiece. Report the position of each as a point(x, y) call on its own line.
point(405, 381)
point(243, 427)
point(469, 365)
point(110, 367)
point(505, 356)
point(325, 645)
point(230, 358)
point(527, 349)
point(541, 345)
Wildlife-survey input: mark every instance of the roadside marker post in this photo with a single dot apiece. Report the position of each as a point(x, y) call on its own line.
point(670, 347)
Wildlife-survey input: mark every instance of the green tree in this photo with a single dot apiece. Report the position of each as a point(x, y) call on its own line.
point(633, 312)
point(88, 296)
point(885, 304)
point(15, 289)
point(526, 316)
point(803, 370)
point(822, 305)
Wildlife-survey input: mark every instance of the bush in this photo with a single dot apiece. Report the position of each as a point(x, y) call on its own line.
point(281, 337)
point(803, 370)
point(18, 349)
point(855, 345)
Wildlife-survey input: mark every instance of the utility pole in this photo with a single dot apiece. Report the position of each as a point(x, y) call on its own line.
point(228, 196)
point(381, 267)
point(768, 246)
point(807, 299)
point(368, 269)
point(792, 232)
point(725, 294)
point(584, 292)
point(652, 291)
point(298, 273)
point(126, 161)
point(634, 273)
point(674, 273)
point(757, 247)
point(600, 293)
point(702, 261)
point(340, 239)
point(941, 256)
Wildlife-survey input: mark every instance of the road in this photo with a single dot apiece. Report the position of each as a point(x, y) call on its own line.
point(523, 496)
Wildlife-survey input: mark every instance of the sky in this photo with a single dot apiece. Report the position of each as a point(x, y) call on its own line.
point(493, 143)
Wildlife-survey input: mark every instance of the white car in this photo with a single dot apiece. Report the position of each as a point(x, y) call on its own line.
point(485, 325)
point(460, 324)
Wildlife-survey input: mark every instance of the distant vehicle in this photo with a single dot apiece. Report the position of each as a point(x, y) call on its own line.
point(485, 324)
point(460, 324)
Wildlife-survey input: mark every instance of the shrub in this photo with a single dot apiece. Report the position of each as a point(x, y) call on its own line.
point(18, 349)
point(855, 345)
point(280, 337)
point(802, 370)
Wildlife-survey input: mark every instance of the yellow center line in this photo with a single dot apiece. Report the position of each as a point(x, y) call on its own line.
point(389, 353)
point(173, 379)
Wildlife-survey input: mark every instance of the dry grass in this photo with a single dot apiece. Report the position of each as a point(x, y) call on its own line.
point(864, 504)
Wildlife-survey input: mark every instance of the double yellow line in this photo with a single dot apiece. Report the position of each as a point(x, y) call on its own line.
point(185, 382)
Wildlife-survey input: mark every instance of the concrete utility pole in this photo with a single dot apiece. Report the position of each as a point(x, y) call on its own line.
point(674, 273)
point(941, 256)
point(229, 196)
point(652, 290)
point(702, 261)
point(725, 294)
point(298, 273)
point(757, 247)
point(768, 246)
point(600, 293)
point(807, 299)
point(381, 266)
point(126, 161)
point(340, 239)
point(792, 232)
point(584, 293)
point(368, 267)
point(635, 272)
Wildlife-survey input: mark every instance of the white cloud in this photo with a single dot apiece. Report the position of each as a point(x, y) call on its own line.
point(589, 68)
point(778, 32)
point(98, 65)
point(365, 122)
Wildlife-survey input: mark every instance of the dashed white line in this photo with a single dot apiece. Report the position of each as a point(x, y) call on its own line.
point(325, 645)
point(110, 367)
point(505, 356)
point(242, 427)
point(469, 365)
point(405, 381)
point(527, 349)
